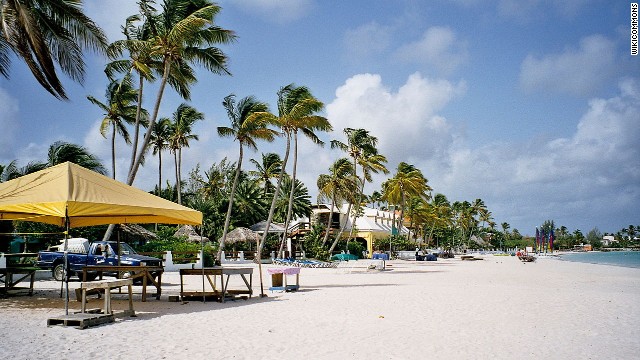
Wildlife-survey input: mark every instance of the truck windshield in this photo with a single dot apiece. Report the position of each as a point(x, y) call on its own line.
point(125, 249)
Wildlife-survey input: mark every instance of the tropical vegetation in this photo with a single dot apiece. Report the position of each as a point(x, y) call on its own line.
point(161, 44)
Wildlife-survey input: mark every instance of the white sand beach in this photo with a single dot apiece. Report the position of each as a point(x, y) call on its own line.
point(498, 308)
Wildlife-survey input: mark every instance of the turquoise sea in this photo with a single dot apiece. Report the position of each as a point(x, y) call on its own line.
point(616, 258)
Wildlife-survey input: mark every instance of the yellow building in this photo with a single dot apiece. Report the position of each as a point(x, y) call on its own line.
point(373, 224)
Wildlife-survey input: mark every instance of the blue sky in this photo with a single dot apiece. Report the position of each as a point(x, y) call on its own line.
point(530, 105)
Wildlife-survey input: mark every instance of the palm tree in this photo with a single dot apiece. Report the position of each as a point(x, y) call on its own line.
point(299, 206)
point(181, 133)
point(160, 134)
point(249, 206)
point(375, 198)
point(359, 142)
point(137, 44)
point(408, 181)
point(216, 179)
point(267, 170)
point(246, 129)
point(371, 163)
point(296, 107)
point(308, 125)
point(178, 37)
point(46, 33)
point(60, 152)
point(120, 108)
point(11, 171)
point(336, 187)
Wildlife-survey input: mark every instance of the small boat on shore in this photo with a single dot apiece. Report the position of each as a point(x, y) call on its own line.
point(527, 258)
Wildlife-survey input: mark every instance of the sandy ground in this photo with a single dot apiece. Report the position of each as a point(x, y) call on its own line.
point(498, 308)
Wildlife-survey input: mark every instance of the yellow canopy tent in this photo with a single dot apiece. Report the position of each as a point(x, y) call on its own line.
point(70, 195)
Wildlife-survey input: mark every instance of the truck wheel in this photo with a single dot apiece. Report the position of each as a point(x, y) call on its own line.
point(58, 272)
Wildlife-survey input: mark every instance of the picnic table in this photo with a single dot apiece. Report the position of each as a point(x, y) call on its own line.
point(215, 271)
point(150, 275)
point(7, 277)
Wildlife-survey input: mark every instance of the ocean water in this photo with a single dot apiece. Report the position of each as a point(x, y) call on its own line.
point(616, 258)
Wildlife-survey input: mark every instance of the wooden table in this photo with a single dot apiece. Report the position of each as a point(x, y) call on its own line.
point(146, 273)
point(107, 285)
point(222, 272)
point(6, 276)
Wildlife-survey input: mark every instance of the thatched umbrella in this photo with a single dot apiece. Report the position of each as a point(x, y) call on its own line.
point(190, 233)
point(241, 234)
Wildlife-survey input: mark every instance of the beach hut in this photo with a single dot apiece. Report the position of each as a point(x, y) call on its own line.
point(69, 196)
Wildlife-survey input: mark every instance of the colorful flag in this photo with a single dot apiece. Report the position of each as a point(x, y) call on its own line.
point(537, 239)
point(551, 238)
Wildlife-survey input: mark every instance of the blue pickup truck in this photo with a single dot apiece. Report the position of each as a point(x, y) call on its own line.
point(96, 253)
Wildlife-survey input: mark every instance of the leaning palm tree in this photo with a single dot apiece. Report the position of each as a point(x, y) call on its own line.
point(336, 187)
point(160, 134)
point(359, 142)
point(139, 30)
point(119, 109)
point(60, 152)
point(308, 125)
point(46, 33)
point(245, 129)
point(295, 105)
point(180, 35)
point(181, 133)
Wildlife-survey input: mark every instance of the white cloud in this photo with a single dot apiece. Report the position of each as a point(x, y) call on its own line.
point(110, 15)
point(278, 11)
point(587, 179)
point(574, 71)
point(405, 122)
point(592, 176)
point(8, 122)
point(439, 47)
point(367, 40)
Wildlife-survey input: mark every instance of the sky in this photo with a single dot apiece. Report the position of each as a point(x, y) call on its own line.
point(532, 106)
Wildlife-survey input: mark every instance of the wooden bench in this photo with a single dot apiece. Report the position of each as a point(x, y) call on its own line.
point(144, 273)
point(107, 285)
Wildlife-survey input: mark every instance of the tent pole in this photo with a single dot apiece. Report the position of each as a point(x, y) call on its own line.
point(202, 260)
point(66, 265)
point(259, 257)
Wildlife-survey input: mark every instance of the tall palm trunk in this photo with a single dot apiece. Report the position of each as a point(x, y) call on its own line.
point(271, 211)
point(159, 172)
point(355, 216)
point(330, 221)
point(227, 220)
point(137, 125)
point(346, 220)
point(291, 192)
point(113, 151)
point(178, 178)
point(275, 197)
point(138, 159)
point(136, 164)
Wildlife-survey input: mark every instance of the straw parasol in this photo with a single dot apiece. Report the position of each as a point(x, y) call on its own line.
point(190, 233)
point(241, 234)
